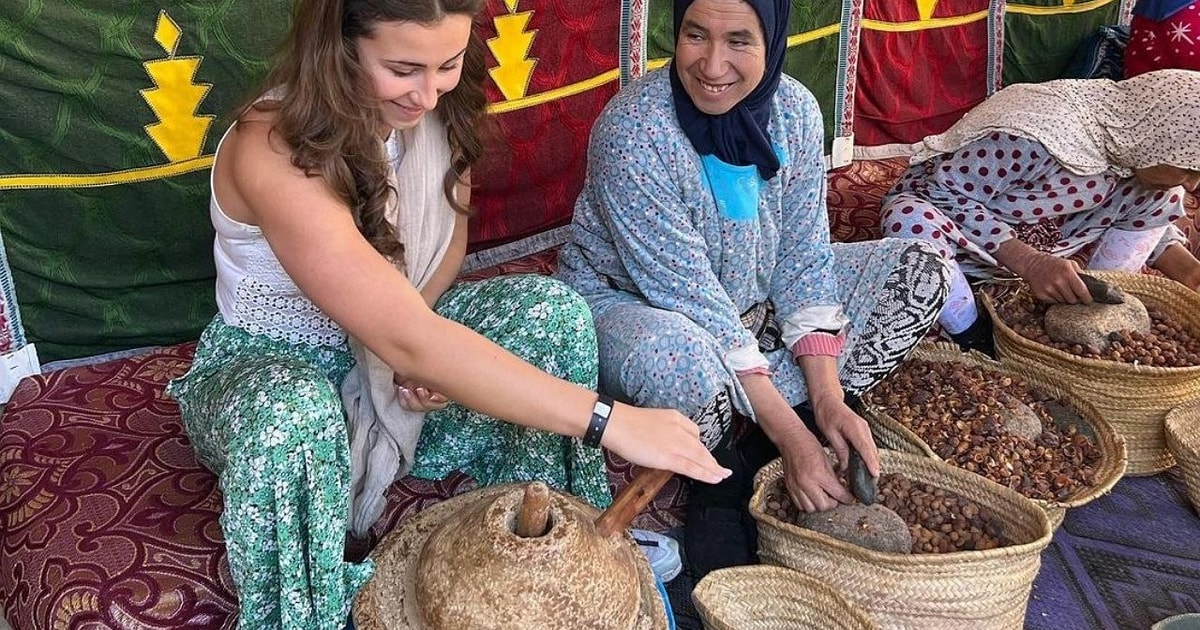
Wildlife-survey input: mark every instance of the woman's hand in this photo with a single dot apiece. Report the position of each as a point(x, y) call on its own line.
point(807, 474)
point(416, 397)
point(661, 438)
point(1050, 278)
point(808, 477)
point(1178, 264)
point(844, 430)
point(1054, 279)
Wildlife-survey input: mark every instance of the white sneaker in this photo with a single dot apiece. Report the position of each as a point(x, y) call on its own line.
point(662, 551)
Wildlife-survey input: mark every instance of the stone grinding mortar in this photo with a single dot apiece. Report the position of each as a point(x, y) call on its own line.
point(1092, 325)
point(516, 556)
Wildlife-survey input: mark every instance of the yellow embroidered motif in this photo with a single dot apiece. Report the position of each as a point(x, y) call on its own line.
point(180, 132)
point(925, 8)
point(511, 47)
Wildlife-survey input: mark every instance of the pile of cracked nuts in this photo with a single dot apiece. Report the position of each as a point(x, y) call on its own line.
point(967, 415)
point(940, 521)
point(1168, 344)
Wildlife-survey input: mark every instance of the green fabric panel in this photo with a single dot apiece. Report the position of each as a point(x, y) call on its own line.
point(116, 266)
point(1039, 47)
point(814, 63)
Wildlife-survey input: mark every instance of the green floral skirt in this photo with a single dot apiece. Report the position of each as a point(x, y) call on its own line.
point(266, 417)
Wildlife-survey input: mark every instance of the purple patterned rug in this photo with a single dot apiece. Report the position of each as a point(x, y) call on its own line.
point(1122, 562)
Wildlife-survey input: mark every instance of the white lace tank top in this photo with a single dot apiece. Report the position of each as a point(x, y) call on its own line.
point(254, 292)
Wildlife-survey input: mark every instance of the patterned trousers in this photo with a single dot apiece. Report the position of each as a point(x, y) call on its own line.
point(266, 417)
point(891, 291)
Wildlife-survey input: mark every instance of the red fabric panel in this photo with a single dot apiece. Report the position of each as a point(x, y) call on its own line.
point(532, 174)
point(1171, 43)
point(912, 84)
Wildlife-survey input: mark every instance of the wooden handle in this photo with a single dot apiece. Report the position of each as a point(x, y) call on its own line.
point(534, 514)
point(633, 499)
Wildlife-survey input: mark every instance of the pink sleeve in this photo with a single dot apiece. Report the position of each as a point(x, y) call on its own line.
point(819, 344)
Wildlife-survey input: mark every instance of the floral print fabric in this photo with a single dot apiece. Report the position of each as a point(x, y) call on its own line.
point(266, 417)
point(544, 322)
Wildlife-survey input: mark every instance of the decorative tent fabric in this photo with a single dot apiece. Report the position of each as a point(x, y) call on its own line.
point(112, 113)
point(1163, 34)
point(104, 158)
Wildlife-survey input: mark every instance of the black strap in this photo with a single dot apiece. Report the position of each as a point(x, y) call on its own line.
point(600, 415)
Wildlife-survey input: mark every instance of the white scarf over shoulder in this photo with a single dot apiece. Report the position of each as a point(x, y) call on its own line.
point(1091, 125)
point(383, 435)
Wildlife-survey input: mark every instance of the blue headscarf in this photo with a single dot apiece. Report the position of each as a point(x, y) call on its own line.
point(1159, 10)
point(739, 136)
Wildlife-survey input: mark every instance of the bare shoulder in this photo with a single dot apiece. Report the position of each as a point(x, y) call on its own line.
point(254, 172)
point(253, 145)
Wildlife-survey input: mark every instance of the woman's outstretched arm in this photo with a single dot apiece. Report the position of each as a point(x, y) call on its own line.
point(315, 239)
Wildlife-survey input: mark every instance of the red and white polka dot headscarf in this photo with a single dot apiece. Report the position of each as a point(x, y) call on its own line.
point(1091, 125)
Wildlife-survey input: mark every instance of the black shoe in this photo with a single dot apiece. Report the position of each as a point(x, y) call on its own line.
point(978, 336)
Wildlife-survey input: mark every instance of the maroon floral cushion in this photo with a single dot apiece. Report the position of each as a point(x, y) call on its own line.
point(543, 262)
point(108, 520)
point(855, 194)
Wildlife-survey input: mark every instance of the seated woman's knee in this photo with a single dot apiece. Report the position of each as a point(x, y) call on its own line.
point(293, 402)
point(561, 308)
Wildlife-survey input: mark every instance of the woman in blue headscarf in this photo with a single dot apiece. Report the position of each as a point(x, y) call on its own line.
point(701, 243)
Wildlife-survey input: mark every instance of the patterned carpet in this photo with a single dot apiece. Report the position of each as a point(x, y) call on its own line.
point(1126, 560)
point(1122, 562)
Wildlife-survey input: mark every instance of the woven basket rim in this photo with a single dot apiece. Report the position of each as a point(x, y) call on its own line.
point(1111, 443)
point(888, 459)
point(1182, 426)
point(1135, 283)
point(708, 593)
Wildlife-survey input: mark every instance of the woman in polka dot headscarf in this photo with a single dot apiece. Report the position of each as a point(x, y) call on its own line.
point(1039, 172)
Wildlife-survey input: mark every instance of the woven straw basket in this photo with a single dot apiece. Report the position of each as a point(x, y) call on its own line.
point(981, 590)
point(1183, 439)
point(1134, 399)
point(764, 597)
point(892, 434)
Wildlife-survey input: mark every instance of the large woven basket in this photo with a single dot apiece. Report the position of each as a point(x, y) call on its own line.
point(1183, 439)
point(764, 597)
point(981, 590)
point(1134, 399)
point(892, 434)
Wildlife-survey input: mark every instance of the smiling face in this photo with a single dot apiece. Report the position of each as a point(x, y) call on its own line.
point(721, 53)
point(410, 65)
point(1164, 176)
